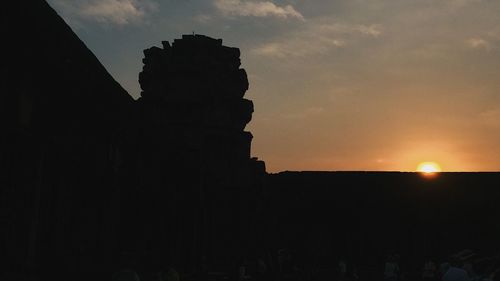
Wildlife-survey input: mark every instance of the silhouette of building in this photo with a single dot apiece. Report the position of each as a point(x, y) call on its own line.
point(189, 173)
point(92, 180)
point(60, 111)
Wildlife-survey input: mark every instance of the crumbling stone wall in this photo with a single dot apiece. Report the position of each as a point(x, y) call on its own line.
point(192, 181)
point(197, 85)
point(199, 70)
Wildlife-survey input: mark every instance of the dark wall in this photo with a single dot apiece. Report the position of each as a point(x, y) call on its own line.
point(366, 215)
point(191, 184)
point(59, 113)
point(92, 181)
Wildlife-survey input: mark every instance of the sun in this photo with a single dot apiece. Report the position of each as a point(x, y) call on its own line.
point(429, 168)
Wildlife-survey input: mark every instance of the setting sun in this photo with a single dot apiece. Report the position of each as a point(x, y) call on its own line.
point(428, 167)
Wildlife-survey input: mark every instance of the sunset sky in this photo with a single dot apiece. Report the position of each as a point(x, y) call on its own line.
point(337, 85)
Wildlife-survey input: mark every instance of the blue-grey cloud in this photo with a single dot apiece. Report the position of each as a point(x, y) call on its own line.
point(317, 37)
point(256, 9)
point(114, 12)
point(348, 84)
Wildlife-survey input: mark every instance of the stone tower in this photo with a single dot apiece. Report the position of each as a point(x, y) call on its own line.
point(198, 85)
point(193, 184)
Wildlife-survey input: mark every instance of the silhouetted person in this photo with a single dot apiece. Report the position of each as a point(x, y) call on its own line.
point(170, 274)
point(243, 271)
point(443, 268)
point(262, 270)
point(342, 270)
point(484, 270)
point(470, 269)
point(391, 269)
point(455, 273)
point(352, 272)
point(429, 272)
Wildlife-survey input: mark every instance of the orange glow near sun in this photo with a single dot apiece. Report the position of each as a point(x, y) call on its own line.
point(428, 168)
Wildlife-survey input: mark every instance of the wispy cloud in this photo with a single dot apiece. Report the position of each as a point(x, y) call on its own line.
point(478, 43)
point(299, 48)
point(317, 38)
point(115, 12)
point(373, 30)
point(256, 9)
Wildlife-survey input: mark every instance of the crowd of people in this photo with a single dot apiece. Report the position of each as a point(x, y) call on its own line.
point(463, 266)
point(283, 266)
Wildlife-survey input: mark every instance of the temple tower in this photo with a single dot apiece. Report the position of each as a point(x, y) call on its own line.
point(196, 187)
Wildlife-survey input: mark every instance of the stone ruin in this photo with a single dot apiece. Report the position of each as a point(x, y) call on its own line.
point(198, 71)
point(92, 181)
point(190, 154)
point(197, 85)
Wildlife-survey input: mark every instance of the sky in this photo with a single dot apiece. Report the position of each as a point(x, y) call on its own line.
point(337, 85)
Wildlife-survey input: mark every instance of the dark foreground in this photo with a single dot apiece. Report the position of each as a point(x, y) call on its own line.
point(366, 214)
point(93, 182)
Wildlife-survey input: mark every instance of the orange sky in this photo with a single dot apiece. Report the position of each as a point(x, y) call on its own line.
point(337, 85)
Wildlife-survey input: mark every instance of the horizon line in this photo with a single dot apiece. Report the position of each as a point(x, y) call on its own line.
point(374, 171)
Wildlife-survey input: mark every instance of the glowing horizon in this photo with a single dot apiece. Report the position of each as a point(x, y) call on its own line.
point(429, 168)
point(342, 85)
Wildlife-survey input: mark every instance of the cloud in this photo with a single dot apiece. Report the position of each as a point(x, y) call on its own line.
point(373, 30)
point(299, 48)
point(256, 9)
point(478, 43)
point(116, 12)
point(317, 38)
